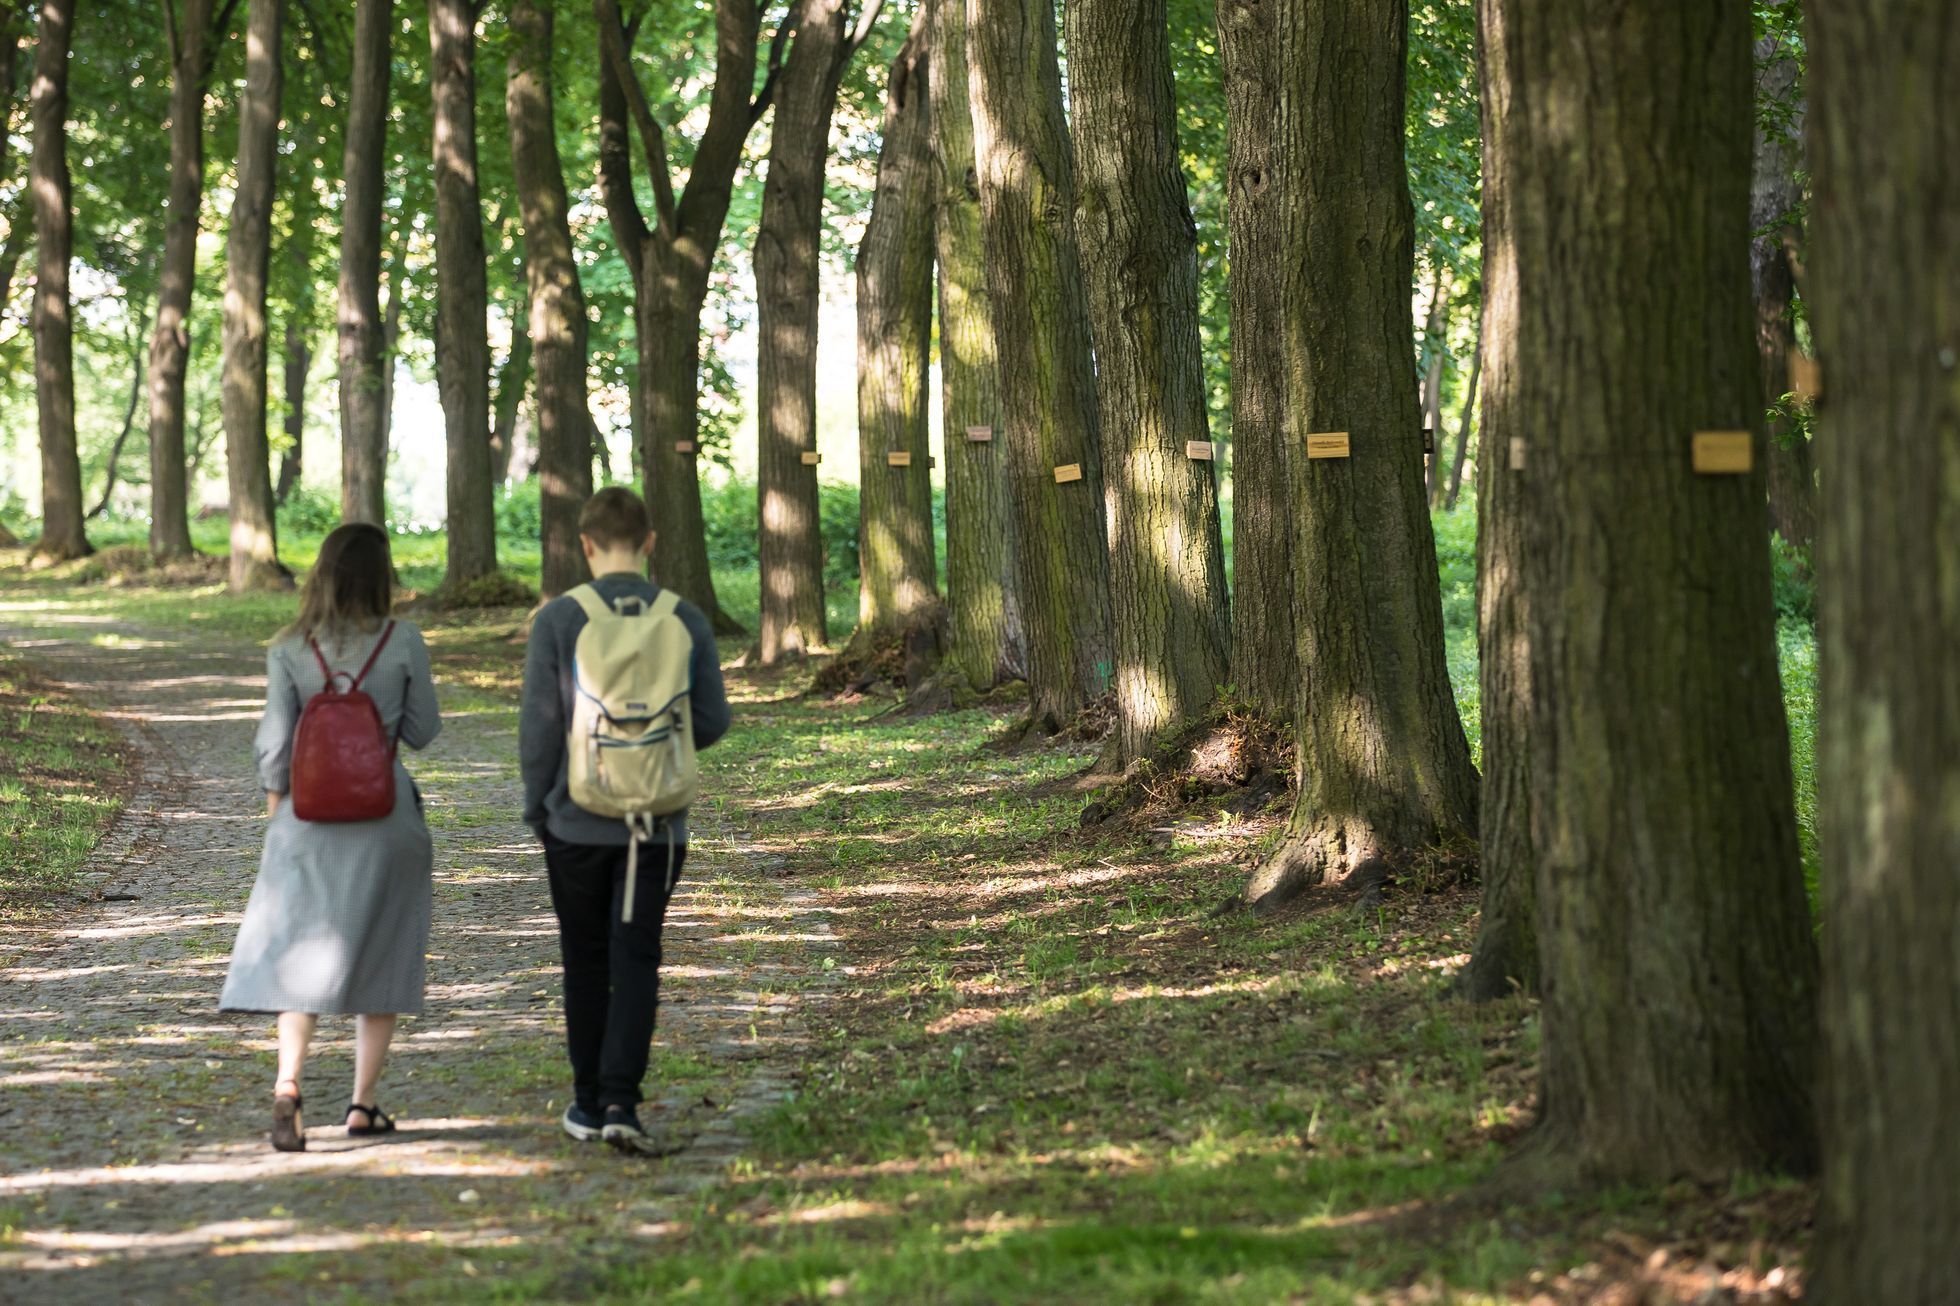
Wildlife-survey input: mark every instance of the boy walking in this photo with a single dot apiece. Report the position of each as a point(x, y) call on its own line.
point(612, 871)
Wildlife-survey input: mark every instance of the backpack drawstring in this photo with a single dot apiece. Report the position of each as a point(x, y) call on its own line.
point(642, 826)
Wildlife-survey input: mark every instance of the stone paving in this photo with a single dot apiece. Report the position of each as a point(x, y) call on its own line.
point(133, 1161)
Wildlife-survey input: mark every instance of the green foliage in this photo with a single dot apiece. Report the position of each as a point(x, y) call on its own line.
point(308, 511)
point(1791, 582)
point(520, 511)
point(61, 769)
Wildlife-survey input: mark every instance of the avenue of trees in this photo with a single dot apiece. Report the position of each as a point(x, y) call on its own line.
point(1382, 254)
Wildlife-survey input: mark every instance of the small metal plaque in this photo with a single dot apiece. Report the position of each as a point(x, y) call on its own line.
point(931, 462)
point(1327, 444)
point(1198, 449)
point(811, 458)
point(683, 446)
point(1806, 378)
point(1722, 453)
point(1429, 441)
point(1068, 472)
point(1517, 453)
point(900, 459)
point(980, 434)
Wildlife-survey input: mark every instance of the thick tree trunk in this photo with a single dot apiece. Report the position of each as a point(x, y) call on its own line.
point(897, 575)
point(557, 312)
point(170, 344)
point(1463, 420)
point(1265, 652)
point(1041, 329)
point(1505, 959)
point(113, 466)
point(62, 534)
point(1674, 943)
point(299, 360)
point(986, 641)
point(1170, 623)
point(363, 439)
point(677, 253)
point(1883, 277)
point(513, 379)
point(787, 297)
point(462, 297)
point(1774, 197)
point(248, 248)
point(1384, 766)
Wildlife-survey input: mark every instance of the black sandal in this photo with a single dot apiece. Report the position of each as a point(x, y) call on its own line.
point(379, 1122)
point(287, 1136)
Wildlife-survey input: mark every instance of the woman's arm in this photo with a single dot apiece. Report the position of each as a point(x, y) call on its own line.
point(421, 719)
point(274, 744)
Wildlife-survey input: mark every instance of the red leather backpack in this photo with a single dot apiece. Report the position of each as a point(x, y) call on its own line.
point(343, 761)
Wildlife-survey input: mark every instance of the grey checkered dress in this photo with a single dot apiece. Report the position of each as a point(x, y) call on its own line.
point(339, 917)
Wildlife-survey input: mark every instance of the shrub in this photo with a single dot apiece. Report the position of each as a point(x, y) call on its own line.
point(308, 512)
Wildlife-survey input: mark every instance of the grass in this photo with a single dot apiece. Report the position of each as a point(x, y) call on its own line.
point(1041, 1070)
point(63, 771)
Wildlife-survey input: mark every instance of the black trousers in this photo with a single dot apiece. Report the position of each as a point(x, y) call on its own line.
point(612, 968)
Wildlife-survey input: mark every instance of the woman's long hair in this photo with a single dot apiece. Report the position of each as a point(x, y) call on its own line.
point(351, 588)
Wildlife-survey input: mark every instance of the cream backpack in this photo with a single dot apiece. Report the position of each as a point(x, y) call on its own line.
point(630, 747)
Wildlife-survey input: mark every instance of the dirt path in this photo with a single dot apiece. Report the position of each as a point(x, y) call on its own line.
point(133, 1165)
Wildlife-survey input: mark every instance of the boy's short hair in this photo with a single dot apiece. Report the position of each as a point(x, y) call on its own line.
point(615, 518)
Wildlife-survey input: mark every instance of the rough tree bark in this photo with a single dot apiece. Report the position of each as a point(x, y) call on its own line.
point(1773, 197)
point(462, 297)
point(1041, 330)
point(299, 361)
point(676, 255)
point(1435, 354)
point(1384, 766)
point(1170, 623)
point(1883, 277)
point(894, 311)
point(557, 311)
point(193, 45)
point(1265, 652)
point(62, 533)
point(1673, 938)
point(1464, 418)
point(986, 642)
point(363, 437)
point(787, 298)
point(1505, 958)
point(248, 249)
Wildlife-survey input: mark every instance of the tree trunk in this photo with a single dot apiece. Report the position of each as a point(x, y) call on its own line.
point(462, 297)
point(113, 466)
point(986, 641)
point(363, 441)
point(1041, 328)
point(1884, 275)
point(897, 585)
point(1265, 652)
point(1170, 622)
point(1463, 419)
point(1505, 958)
point(1384, 766)
point(299, 361)
point(1775, 195)
point(557, 312)
point(1673, 940)
point(248, 246)
point(677, 254)
point(62, 534)
point(787, 297)
point(1435, 353)
point(192, 47)
point(513, 379)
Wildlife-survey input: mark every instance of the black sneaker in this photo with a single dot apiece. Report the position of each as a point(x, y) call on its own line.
point(586, 1126)
point(623, 1131)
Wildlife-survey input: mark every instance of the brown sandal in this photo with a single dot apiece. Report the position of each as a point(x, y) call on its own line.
point(287, 1134)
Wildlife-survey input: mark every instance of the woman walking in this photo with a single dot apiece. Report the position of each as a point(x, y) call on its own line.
point(338, 921)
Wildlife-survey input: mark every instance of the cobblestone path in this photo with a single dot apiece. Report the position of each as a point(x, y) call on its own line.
point(133, 1161)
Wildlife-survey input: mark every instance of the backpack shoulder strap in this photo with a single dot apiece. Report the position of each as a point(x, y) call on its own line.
point(588, 598)
point(666, 604)
point(368, 665)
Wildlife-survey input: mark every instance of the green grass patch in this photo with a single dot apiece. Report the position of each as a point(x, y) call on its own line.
point(63, 774)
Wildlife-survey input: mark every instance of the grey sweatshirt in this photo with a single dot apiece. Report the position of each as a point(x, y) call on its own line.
point(547, 711)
